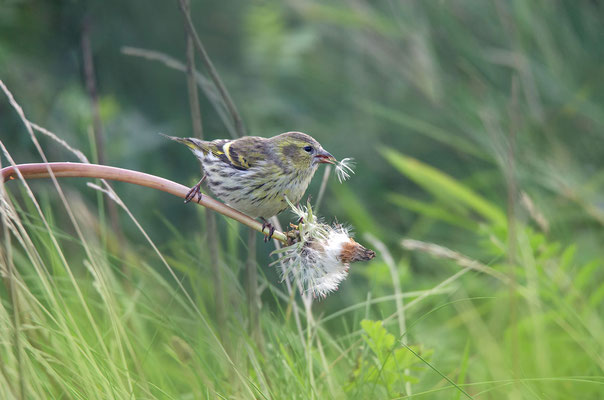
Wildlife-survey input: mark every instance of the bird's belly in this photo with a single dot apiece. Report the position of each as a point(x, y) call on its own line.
point(254, 192)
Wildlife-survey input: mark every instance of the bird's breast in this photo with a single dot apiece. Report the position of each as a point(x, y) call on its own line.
point(259, 191)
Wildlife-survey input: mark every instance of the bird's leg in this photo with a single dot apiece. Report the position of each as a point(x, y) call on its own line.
point(271, 229)
point(195, 190)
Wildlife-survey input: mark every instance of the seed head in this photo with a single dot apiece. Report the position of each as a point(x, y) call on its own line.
point(320, 259)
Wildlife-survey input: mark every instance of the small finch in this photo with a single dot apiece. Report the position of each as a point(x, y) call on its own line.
point(254, 174)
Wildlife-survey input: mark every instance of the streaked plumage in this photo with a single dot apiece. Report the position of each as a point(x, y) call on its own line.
point(254, 174)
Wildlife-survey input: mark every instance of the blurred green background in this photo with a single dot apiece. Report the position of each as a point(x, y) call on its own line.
point(475, 125)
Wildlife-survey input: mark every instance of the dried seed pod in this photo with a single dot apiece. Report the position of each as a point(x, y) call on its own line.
point(320, 259)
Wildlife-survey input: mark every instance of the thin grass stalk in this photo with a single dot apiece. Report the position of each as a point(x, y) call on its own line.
point(55, 242)
point(307, 300)
point(107, 190)
point(192, 87)
point(251, 263)
point(204, 84)
point(97, 126)
point(180, 285)
point(80, 170)
point(216, 263)
point(322, 188)
point(512, 193)
point(16, 320)
point(252, 288)
point(95, 171)
point(91, 88)
point(292, 304)
point(306, 342)
point(210, 217)
point(398, 299)
point(239, 127)
point(484, 340)
point(63, 319)
point(12, 290)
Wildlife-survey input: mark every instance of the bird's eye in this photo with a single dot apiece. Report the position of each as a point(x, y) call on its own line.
point(308, 149)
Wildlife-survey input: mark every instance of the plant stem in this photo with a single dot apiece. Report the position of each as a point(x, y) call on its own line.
point(97, 129)
point(81, 170)
point(208, 88)
point(212, 232)
point(252, 288)
point(211, 70)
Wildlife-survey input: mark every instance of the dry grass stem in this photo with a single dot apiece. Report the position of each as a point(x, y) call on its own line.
point(205, 84)
point(460, 259)
point(79, 170)
point(239, 127)
point(210, 217)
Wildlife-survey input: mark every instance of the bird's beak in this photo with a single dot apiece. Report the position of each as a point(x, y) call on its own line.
point(323, 157)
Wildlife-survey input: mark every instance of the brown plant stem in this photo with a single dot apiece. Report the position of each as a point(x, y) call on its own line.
point(239, 127)
point(97, 125)
point(89, 75)
point(81, 170)
point(208, 88)
point(252, 288)
point(212, 232)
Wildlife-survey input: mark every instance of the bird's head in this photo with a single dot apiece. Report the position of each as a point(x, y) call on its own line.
point(301, 151)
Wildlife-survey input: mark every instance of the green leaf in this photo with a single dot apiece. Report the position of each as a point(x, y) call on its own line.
point(356, 211)
point(391, 363)
point(443, 186)
point(427, 129)
point(431, 210)
point(378, 339)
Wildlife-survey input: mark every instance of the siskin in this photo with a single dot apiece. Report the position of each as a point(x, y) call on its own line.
point(254, 175)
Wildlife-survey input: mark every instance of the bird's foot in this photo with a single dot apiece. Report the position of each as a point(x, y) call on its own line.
point(271, 229)
point(195, 190)
point(293, 234)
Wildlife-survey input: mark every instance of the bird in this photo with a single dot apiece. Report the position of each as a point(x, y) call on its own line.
point(254, 175)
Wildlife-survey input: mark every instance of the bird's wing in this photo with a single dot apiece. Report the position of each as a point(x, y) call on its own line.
point(241, 153)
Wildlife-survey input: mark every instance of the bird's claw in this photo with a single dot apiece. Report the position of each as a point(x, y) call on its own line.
point(195, 190)
point(271, 230)
point(192, 193)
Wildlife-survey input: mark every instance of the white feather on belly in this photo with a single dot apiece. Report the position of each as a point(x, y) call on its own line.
point(231, 185)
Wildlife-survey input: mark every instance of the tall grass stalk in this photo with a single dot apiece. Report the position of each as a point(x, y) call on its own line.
point(210, 217)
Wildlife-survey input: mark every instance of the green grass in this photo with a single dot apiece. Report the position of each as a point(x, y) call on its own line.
point(103, 325)
point(476, 126)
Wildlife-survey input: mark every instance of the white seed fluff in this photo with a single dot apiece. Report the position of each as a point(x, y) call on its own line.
point(315, 261)
point(344, 169)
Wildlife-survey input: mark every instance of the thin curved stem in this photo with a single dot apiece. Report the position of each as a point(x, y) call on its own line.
point(81, 170)
point(211, 70)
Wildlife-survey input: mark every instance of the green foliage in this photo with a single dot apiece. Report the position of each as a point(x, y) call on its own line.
point(476, 126)
point(388, 366)
point(440, 185)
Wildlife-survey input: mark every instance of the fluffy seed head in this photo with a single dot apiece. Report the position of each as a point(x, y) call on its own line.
point(320, 260)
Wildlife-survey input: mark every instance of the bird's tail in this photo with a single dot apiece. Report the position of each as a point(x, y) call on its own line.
point(192, 143)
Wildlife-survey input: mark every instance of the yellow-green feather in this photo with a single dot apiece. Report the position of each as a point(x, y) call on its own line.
point(253, 174)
